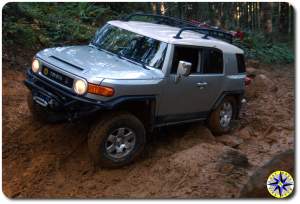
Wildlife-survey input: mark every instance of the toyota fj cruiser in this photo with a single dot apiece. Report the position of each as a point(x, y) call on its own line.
point(136, 76)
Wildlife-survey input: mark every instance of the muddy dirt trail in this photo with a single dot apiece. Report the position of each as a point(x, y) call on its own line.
point(52, 161)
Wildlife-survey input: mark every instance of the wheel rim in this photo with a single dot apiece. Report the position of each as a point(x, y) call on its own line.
point(120, 142)
point(225, 114)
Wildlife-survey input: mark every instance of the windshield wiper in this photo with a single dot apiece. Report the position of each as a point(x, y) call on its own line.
point(145, 66)
point(94, 45)
point(132, 61)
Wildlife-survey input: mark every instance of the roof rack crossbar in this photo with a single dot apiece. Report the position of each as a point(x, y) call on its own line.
point(184, 25)
point(177, 36)
point(207, 32)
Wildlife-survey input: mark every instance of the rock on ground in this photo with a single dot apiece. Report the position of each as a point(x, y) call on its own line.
point(259, 86)
point(253, 63)
point(252, 72)
point(230, 140)
point(256, 185)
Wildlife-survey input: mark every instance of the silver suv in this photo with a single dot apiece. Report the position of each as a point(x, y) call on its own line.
point(135, 76)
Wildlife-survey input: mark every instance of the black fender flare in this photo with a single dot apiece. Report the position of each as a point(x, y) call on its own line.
point(150, 100)
point(111, 104)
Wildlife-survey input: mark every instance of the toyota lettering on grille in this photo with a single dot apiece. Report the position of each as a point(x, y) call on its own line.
point(56, 76)
point(65, 80)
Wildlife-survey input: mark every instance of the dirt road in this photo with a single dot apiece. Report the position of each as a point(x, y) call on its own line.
point(51, 161)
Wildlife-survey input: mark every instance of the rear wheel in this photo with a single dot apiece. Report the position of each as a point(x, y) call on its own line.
point(116, 140)
point(221, 118)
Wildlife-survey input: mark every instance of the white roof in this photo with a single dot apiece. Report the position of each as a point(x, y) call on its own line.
point(166, 34)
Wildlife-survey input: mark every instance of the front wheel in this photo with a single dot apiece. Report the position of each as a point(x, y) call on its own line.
point(221, 118)
point(116, 140)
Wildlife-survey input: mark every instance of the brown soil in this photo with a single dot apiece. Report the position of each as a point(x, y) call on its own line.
point(51, 161)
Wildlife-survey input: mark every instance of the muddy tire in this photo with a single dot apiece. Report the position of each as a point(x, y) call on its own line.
point(41, 114)
point(116, 140)
point(221, 118)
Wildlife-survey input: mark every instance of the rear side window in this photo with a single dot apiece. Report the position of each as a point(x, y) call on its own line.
point(212, 61)
point(240, 63)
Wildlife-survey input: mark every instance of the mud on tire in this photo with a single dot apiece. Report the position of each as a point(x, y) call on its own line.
point(214, 121)
point(104, 128)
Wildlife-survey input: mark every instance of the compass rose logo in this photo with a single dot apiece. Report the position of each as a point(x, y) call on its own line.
point(280, 184)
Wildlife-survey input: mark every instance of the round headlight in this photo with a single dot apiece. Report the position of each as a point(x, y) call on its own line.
point(35, 66)
point(80, 86)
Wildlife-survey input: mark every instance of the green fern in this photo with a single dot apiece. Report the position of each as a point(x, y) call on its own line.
point(256, 46)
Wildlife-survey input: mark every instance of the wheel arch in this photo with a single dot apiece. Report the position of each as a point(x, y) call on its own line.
point(237, 95)
point(143, 107)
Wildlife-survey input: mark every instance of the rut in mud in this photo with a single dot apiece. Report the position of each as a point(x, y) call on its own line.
point(52, 161)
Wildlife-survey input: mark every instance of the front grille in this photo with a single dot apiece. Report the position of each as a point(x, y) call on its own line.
point(57, 77)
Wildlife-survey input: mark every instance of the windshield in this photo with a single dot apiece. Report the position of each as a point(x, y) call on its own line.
point(133, 46)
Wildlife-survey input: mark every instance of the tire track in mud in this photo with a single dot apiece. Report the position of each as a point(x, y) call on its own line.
point(59, 162)
point(39, 150)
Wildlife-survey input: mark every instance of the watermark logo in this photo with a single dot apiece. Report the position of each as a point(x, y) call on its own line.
point(280, 184)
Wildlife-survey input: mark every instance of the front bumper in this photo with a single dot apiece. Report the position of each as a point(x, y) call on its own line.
point(57, 99)
point(61, 100)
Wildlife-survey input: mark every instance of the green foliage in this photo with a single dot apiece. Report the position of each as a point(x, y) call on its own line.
point(39, 25)
point(256, 46)
point(31, 24)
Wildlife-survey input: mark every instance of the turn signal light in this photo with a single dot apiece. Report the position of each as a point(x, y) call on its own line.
point(100, 90)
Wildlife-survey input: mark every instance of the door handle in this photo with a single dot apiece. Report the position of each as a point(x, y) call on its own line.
point(201, 84)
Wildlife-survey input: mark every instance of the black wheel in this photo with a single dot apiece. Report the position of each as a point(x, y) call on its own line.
point(42, 114)
point(221, 118)
point(116, 140)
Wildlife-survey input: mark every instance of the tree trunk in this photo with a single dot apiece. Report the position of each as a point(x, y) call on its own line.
point(291, 21)
point(258, 16)
point(252, 16)
point(266, 14)
point(153, 6)
point(180, 9)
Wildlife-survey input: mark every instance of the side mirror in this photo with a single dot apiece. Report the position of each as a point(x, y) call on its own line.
point(183, 69)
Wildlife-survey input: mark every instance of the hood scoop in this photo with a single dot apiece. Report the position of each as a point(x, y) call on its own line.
point(61, 60)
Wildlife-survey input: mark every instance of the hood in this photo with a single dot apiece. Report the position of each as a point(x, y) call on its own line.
point(93, 64)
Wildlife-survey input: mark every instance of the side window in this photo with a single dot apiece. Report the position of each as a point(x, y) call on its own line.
point(212, 61)
point(240, 63)
point(188, 54)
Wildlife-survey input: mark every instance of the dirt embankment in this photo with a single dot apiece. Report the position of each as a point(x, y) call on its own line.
point(51, 161)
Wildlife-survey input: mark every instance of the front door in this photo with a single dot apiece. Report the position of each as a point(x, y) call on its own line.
point(193, 96)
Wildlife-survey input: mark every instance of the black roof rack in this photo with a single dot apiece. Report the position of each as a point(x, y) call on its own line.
point(166, 20)
point(184, 25)
point(219, 34)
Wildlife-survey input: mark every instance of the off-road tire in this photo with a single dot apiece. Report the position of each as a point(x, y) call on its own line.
point(214, 118)
point(100, 132)
point(41, 114)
